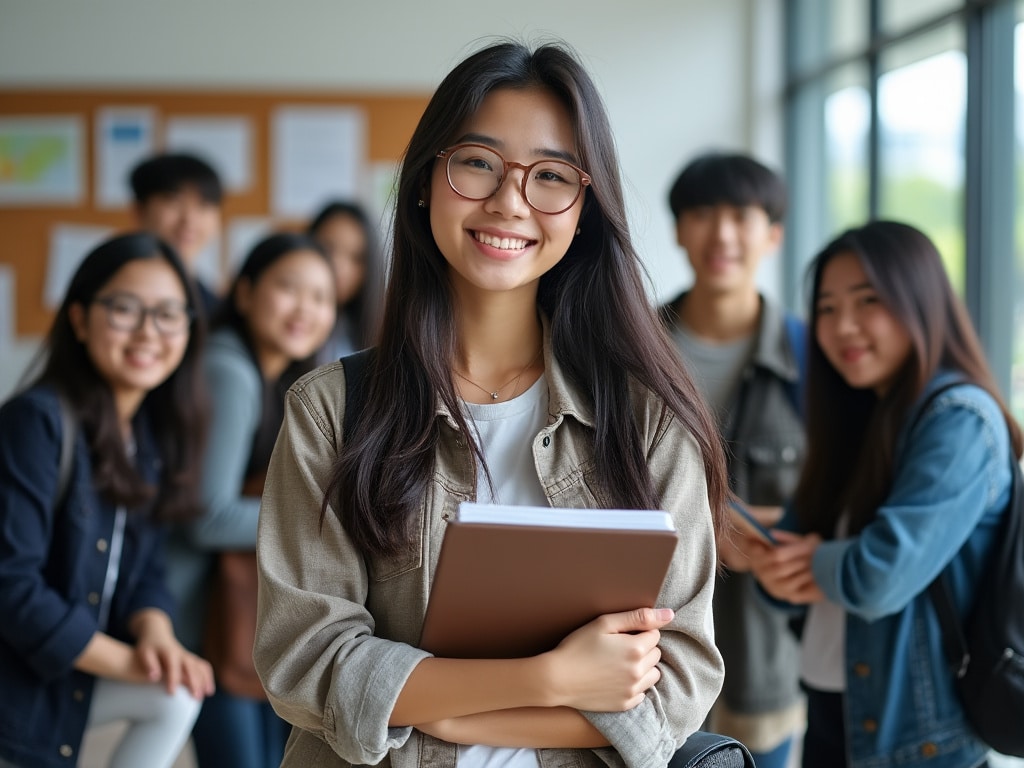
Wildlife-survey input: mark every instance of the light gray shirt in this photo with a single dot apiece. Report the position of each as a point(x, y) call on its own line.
point(716, 366)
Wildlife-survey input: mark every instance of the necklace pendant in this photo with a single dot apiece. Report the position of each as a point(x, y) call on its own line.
point(494, 395)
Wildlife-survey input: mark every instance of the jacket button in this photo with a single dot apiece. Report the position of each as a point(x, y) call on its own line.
point(101, 545)
point(93, 598)
point(78, 695)
point(929, 750)
point(546, 441)
point(66, 750)
point(861, 670)
point(870, 726)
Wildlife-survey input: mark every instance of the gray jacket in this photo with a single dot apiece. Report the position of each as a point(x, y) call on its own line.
point(338, 630)
point(766, 443)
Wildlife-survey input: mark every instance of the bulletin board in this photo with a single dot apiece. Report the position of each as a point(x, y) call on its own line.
point(25, 228)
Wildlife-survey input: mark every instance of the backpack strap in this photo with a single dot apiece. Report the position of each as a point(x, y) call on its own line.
point(68, 436)
point(355, 387)
point(796, 334)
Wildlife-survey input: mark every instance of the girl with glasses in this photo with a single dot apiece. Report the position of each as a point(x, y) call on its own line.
point(520, 362)
point(95, 455)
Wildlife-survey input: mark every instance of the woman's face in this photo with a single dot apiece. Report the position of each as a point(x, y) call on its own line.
point(501, 244)
point(344, 240)
point(135, 330)
point(289, 309)
point(861, 338)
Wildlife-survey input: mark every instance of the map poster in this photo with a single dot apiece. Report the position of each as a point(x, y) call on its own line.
point(41, 160)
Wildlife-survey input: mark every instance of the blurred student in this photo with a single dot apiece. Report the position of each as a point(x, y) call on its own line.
point(277, 313)
point(100, 450)
point(178, 198)
point(743, 352)
point(343, 230)
point(907, 477)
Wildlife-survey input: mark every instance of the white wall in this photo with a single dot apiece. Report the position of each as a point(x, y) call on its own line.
point(678, 76)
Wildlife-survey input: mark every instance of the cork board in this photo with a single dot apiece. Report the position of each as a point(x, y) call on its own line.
point(25, 229)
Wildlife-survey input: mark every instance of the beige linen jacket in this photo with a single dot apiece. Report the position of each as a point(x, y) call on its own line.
point(338, 631)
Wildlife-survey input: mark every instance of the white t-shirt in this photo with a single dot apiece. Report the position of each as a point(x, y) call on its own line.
point(505, 434)
point(823, 645)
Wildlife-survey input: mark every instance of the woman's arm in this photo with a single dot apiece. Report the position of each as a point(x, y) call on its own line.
point(230, 519)
point(528, 727)
point(39, 624)
point(952, 468)
point(605, 666)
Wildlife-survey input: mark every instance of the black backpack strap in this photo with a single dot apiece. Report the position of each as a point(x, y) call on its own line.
point(68, 435)
point(355, 366)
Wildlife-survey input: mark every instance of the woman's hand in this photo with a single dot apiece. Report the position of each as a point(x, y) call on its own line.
point(785, 569)
point(736, 549)
point(608, 664)
point(164, 659)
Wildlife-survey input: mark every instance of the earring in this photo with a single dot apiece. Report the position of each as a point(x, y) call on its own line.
point(421, 203)
point(578, 230)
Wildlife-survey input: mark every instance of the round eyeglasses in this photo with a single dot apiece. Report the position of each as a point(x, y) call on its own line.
point(126, 312)
point(476, 171)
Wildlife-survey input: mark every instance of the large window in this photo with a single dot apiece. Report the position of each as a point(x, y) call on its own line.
point(902, 109)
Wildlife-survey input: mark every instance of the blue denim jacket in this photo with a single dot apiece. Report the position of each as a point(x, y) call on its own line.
point(52, 567)
point(950, 488)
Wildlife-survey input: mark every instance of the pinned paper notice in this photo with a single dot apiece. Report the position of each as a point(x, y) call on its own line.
point(316, 155)
point(69, 243)
point(224, 142)
point(124, 137)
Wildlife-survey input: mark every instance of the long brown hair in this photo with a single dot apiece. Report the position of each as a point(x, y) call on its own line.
point(604, 332)
point(851, 433)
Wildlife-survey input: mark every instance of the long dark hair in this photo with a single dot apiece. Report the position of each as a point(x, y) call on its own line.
point(264, 255)
point(176, 409)
point(604, 331)
point(851, 433)
point(363, 310)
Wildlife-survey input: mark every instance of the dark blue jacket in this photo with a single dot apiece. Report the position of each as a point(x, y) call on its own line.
point(52, 567)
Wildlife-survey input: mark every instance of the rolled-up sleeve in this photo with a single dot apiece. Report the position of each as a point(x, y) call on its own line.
point(323, 669)
point(691, 666)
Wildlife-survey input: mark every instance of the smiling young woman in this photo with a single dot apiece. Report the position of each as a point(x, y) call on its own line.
point(520, 362)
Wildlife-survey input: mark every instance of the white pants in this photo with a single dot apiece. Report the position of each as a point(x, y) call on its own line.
point(158, 723)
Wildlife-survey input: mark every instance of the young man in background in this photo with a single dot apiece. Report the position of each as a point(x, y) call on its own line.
point(744, 353)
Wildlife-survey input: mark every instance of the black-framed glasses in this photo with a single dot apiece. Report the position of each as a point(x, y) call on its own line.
point(475, 172)
point(126, 312)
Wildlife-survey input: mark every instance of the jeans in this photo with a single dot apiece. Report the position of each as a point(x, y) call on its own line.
point(238, 732)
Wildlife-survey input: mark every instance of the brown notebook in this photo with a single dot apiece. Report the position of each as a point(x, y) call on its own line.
point(508, 590)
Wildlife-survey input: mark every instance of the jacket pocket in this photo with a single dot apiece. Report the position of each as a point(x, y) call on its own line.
point(383, 568)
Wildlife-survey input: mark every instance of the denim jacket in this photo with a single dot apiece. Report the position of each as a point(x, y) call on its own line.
point(951, 485)
point(338, 630)
point(53, 563)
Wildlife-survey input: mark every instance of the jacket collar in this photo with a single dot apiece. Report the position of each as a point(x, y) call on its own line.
point(564, 397)
point(771, 347)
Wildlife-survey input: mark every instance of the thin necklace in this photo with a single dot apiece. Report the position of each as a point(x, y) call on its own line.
point(494, 392)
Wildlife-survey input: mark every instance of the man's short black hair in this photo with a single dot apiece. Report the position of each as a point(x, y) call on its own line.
point(169, 173)
point(731, 179)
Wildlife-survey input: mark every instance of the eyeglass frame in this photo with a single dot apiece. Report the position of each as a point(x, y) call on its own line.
point(446, 155)
point(107, 302)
